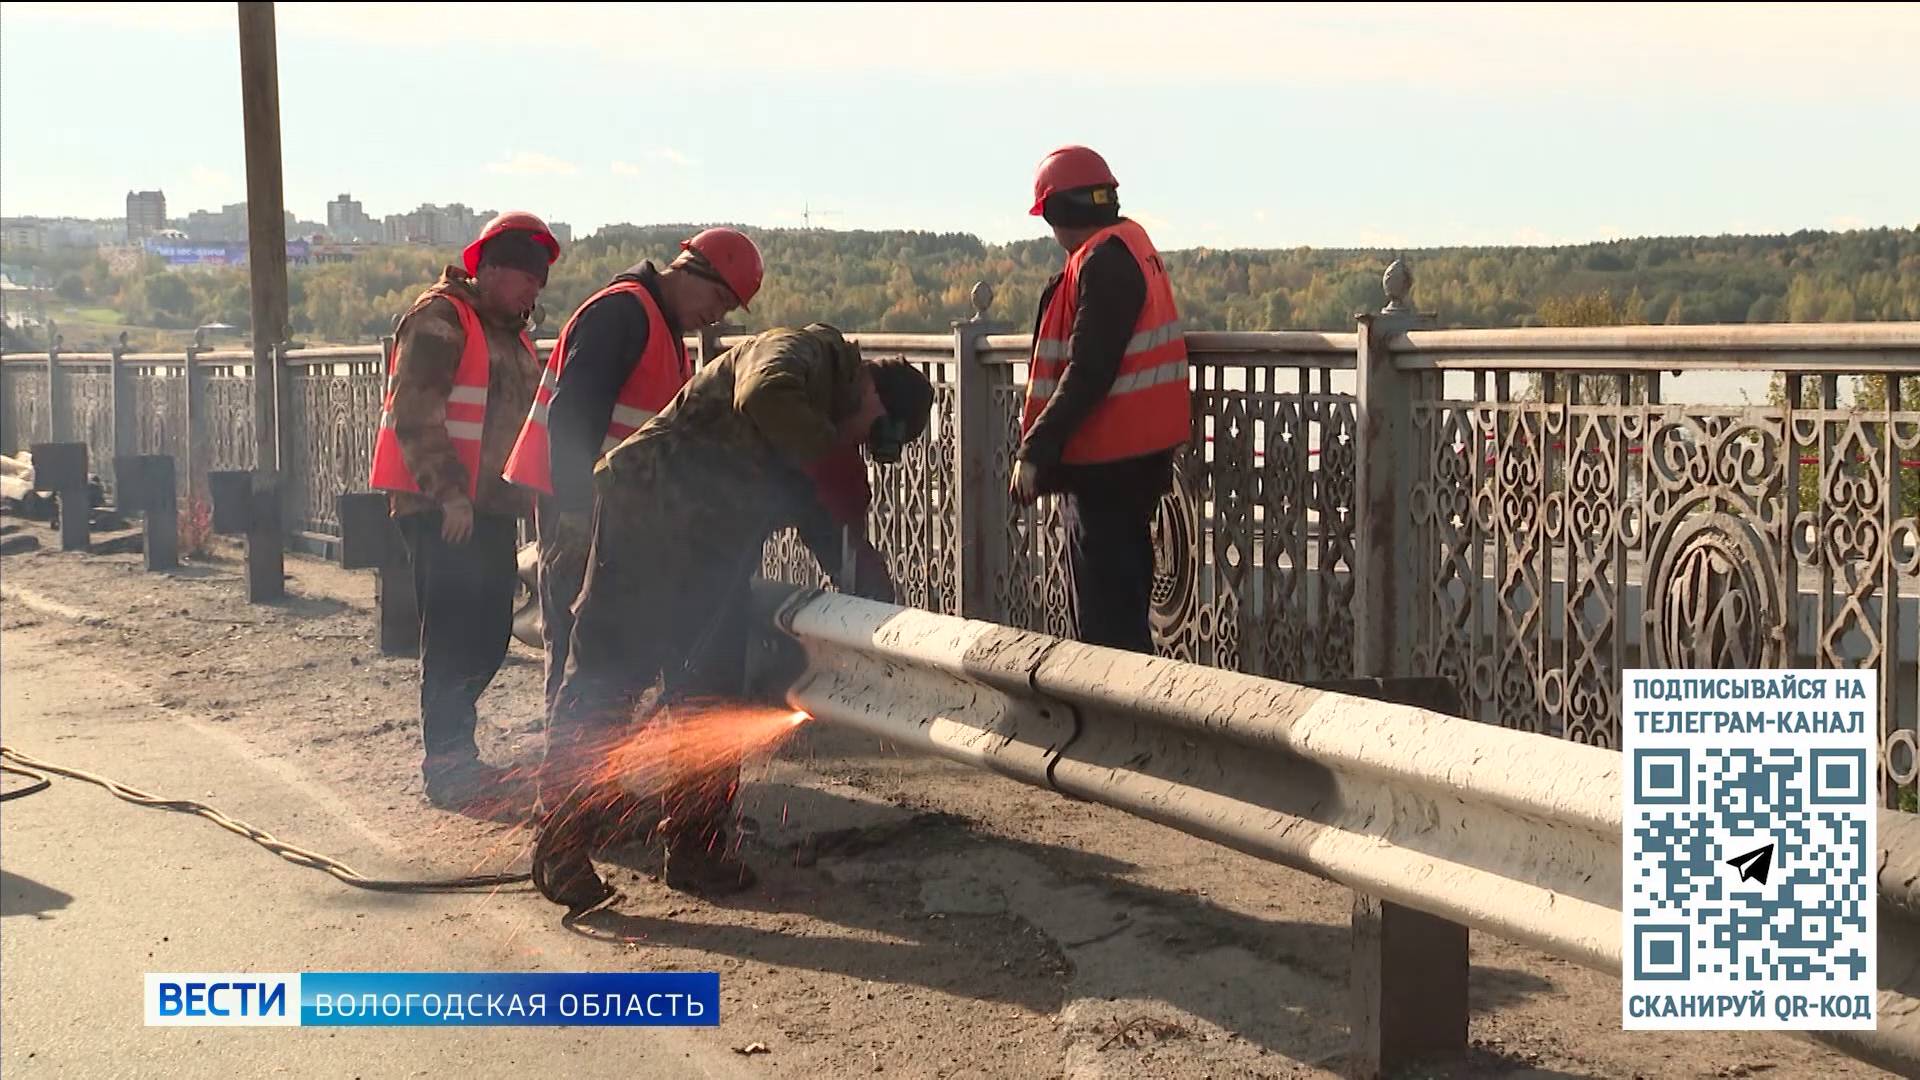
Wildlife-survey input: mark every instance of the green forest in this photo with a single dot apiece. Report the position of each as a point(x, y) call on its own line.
point(919, 281)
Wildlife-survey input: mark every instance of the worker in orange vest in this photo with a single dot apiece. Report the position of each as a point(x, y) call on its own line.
point(618, 361)
point(1107, 398)
point(464, 371)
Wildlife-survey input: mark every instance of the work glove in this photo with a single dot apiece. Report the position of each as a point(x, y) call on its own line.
point(871, 580)
point(1025, 485)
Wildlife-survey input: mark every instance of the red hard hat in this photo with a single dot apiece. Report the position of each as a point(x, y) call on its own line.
point(509, 222)
point(1068, 168)
point(734, 256)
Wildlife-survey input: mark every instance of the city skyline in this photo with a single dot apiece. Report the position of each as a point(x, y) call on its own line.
point(346, 220)
point(327, 227)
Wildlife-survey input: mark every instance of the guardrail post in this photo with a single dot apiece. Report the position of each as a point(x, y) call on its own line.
point(1409, 986)
point(1384, 587)
point(399, 604)
point(248, 501)
point(1408, 977)
point(61, 468)
point(230, 495)
point(369, 538)
point(59, 422)
point(146, 484)
point(979, 510)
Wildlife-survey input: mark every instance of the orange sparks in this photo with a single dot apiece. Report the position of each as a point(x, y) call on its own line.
point(687, 743)
point(680, 750)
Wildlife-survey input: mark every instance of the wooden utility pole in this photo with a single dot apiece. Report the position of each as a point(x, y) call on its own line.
point(267, 266)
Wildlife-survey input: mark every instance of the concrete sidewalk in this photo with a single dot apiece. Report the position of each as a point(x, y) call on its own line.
point(96, 891)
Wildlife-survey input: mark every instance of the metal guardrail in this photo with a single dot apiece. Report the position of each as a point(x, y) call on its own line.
point(1512, 834)
point(1830, 348)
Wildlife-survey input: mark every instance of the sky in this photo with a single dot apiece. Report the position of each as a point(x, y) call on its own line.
point(1338, 125)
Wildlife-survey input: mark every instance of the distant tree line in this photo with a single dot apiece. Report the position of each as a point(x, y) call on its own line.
point(919, 282)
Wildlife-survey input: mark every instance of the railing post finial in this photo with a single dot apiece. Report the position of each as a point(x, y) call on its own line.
point(1397, 282)
point(981, 298)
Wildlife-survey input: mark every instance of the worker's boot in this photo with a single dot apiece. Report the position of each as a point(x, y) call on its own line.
point(700, 861)
point(458, 782)
point(562, 870)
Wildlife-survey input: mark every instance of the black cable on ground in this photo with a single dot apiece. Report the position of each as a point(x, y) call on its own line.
point(40, 783)
point(28, 766)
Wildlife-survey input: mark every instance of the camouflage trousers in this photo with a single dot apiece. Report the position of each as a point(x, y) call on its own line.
point(660, 621)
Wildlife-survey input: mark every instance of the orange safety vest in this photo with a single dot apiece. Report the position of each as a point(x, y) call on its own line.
point(656, 377)
point(466, 407)
point(1147, 408)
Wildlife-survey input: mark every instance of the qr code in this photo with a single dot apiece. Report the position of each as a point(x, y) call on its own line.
point(1751, 865)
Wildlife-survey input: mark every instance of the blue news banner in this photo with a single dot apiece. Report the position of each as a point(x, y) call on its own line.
point(434, 999)
point(1749, 876)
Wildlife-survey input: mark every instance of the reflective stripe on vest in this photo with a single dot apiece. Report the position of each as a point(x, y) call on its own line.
point(466, 406)
point(656, 377)
point(1142, 379)
point(626, 421)
point(1147, 408)
point(460, 395)
point(1054, 349)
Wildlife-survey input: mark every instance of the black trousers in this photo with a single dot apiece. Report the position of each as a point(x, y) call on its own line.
point(466, 622)
point(565, 541)
point(1110, 564)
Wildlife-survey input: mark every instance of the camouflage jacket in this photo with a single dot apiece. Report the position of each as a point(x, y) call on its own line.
point(427, 350)
point(741, 434)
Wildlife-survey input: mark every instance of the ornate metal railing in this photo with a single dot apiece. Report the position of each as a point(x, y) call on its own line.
point(1571, 522)
point(334, 398)
point(1527, 512)
point(156, 417)
point(1254, 550)
point(27, 411)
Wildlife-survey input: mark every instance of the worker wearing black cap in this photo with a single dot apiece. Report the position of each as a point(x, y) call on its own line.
point(684, 507)
point(1107, 398)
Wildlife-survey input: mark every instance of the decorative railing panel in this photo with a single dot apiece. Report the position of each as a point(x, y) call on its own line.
point(90, 392)
point(1253, 548)
point(1030, 581)
point(334, 409)
point(229, 430)
point(29, 410)
point(157, 399)
point(1562, 543)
